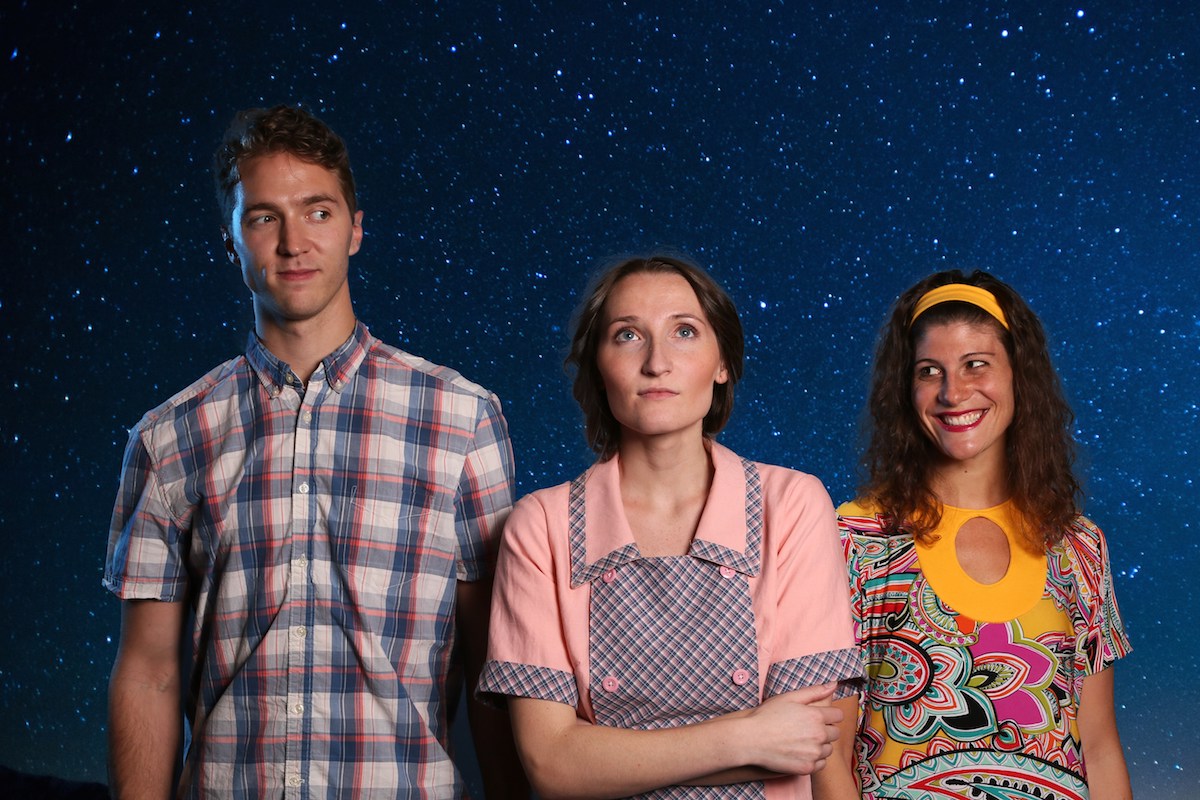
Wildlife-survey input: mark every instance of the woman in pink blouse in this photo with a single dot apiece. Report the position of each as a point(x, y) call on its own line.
point(674, 622)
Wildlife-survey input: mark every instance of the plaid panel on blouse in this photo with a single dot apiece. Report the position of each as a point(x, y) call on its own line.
point(321, 531)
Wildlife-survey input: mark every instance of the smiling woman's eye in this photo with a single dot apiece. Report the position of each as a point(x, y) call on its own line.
point(687, 331)
point(976, 363)
point(927, 371)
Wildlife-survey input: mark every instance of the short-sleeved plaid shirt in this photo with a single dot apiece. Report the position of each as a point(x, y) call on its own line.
point(319, 531)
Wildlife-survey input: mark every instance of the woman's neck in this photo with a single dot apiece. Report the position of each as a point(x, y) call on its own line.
point(664, 487)
point(971, 484)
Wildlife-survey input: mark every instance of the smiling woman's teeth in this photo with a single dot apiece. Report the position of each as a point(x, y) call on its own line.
point(969, 418)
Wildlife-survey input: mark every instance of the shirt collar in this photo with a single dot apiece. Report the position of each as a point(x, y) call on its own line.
point(729, 533)
point(336, 368)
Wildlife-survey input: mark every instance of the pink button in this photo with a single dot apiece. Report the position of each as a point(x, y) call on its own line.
point(740, 676)
point(610, 684)
point(610, 575)
point(728, 572)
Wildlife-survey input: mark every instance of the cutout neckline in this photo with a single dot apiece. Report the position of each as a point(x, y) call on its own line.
point(1018, 591)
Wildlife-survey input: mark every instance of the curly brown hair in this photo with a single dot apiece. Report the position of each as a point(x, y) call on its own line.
point(282, 129)
point(899, 458)
point(601, 428)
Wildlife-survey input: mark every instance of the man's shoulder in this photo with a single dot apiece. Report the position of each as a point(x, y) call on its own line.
point(216, 380)
point(391, 358)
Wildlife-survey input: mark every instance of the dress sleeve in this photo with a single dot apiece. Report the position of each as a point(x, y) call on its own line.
point(485, 492)
point(815, 639)
point(146, 537)
point(850, 517)
point(1103, 639)
point(528, 651)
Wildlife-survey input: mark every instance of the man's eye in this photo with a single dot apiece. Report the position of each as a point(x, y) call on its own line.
point(321, 214)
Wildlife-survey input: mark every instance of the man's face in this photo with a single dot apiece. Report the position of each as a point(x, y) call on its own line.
point(292, 234)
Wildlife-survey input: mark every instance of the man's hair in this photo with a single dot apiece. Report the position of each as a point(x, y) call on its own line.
point(602, 429)
point(899, 459)
point(258, 132)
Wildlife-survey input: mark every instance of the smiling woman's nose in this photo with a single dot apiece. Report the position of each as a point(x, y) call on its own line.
point(954, 390)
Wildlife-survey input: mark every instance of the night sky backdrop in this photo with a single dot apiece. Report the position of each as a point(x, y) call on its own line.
point(817, 157)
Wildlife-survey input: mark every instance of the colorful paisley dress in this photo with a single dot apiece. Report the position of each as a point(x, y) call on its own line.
point(973, 689)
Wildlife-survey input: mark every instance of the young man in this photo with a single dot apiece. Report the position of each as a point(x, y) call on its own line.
point(310, 524)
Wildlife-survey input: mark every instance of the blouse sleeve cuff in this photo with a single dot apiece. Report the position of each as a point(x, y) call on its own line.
point(503, 679)
point(843, 666)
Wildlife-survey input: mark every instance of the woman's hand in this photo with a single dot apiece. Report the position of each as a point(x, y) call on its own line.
point(793, 733)
point(788, 734)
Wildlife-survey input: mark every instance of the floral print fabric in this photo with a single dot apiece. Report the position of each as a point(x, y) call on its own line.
point(959, 708)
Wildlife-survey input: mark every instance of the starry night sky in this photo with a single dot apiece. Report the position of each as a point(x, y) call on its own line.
point(817, 157)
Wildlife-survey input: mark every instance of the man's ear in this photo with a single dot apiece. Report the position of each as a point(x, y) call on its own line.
point(229, 249)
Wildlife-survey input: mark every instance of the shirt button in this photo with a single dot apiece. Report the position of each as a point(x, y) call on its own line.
point(308, 416)
point(302, 488)
point(740, 676)
point(298, 708)
point(301, 562)
point(728, 572)
point(293, 780)
point(610, 575)
point(610, 684)
point(300, 631)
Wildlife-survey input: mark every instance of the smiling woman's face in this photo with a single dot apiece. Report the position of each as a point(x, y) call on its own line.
point(962, 390)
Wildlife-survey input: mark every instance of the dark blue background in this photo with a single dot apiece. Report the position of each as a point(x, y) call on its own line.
point(818, 157)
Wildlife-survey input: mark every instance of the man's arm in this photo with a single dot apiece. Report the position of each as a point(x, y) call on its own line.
point(1103, 756)
point(491, 729)
point(145, 721)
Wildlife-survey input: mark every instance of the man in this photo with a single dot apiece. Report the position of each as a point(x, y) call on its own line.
point(309, 523)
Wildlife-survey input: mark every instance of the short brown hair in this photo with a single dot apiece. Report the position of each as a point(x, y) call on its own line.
point(258, 132)
point(899, 458)
point(602, 429)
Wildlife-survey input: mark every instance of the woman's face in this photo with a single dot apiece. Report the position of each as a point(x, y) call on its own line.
point(962, 391)
point(658, 356)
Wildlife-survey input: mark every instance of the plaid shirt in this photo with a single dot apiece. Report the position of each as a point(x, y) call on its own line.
point(320, 532)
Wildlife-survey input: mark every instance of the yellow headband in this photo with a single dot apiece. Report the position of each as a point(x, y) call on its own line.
point(963, 293)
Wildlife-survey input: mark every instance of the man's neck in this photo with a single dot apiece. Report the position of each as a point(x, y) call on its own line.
point(303, 345)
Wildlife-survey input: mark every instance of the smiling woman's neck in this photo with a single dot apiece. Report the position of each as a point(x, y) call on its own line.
point(967, 484)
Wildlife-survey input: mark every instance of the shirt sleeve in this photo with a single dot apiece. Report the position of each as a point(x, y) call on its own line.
point(146, 538)
point(485, 492)
point(815, 639)
point(528, 651)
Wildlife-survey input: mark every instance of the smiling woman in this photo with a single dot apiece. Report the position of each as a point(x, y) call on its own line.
point(982, 597)
point(609, 589)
